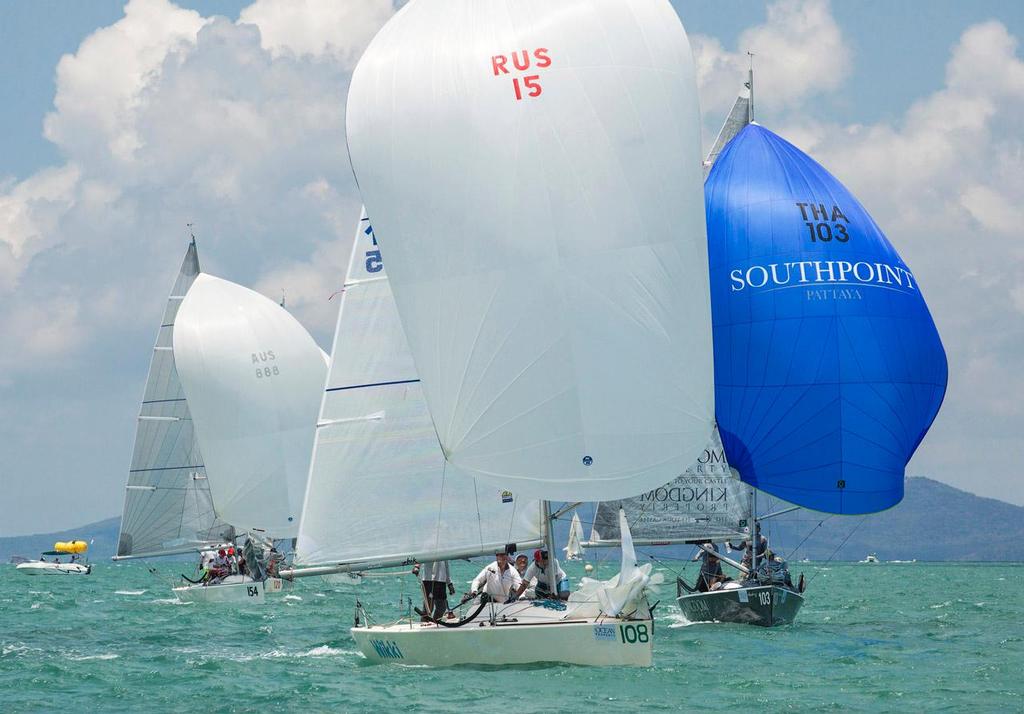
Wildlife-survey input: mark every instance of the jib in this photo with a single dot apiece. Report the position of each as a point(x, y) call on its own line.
point(521, 61)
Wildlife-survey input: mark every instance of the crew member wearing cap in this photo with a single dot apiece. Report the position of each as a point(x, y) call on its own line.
point(538, 571)
point(499, 580)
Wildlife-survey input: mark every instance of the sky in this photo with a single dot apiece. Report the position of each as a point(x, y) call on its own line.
point(123, 122)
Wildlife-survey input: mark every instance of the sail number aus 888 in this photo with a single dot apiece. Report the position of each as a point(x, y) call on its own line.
point(267, 372)
point(632, 634)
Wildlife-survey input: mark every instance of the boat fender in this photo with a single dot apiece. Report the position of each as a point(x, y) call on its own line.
point(800, 585)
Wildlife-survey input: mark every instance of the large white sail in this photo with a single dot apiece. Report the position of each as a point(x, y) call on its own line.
point(167, 504)
point(379, 488)
point(706, 503)
point(534, 173)
point(253, 377)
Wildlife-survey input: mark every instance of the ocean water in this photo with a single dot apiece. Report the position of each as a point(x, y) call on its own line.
point(892, 637)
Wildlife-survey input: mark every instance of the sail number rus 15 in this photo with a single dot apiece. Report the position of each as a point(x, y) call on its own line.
point(527, 85)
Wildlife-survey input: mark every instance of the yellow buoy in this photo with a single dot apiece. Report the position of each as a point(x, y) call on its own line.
point(75, 546)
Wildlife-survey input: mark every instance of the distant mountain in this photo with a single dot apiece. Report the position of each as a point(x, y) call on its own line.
point(103, 533)
point(934, 522)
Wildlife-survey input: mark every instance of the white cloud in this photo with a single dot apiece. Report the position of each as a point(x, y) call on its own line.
point(340, 30)
point(799, 53)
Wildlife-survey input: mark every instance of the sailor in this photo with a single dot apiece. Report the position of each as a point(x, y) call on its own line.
point(499, 580)
point(521, 562)
point(437, 585)
point(745, 546)
point(710, 568)
point(538, 571)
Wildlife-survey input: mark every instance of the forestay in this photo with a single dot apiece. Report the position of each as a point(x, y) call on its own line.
point(828, 367)
point(379, 489)
point(706, 503)
point(534, 174)
point(167, 504)
point(253, 378)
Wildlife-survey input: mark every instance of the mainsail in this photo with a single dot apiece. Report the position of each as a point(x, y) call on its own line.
point(534, 174)
point(167, 505)
point(253, 378)
point(828, 367)
point(706, 503)
point(379, 488)
point(573, 547)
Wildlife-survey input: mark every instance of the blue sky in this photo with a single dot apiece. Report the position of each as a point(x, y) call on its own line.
point(118, 128)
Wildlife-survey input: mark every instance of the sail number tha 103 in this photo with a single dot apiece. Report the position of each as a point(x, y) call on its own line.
point(823, 224)
point(527, 85)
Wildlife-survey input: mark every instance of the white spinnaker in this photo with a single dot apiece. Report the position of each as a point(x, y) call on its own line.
point(706, 503)
point(379, 488)
point(253, 378)
point(547, 254)
point(167, 503)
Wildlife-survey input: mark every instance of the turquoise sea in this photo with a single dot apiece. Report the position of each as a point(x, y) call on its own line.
point(893, 637)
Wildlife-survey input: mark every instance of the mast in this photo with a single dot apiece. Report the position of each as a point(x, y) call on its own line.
point(755, 535)
point(750, 86)
point(549, 543)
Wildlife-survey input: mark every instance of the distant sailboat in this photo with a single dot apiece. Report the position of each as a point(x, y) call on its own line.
point(168, 509)
point(253, 378)
point(574, 549)
point(537, 196)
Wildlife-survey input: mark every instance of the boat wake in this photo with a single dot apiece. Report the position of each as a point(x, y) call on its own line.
point(130, 592)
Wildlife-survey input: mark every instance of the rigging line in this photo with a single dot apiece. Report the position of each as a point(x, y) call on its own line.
point(677, 573)
point(800, 544)
point(849, 535)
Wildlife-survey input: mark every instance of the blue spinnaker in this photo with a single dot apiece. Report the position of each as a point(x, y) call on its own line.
point(828, 367)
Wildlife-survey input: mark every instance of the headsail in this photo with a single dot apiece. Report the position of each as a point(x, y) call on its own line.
point(741, 114)
point(253, 377)
point(828, 367)
point(167, 504)
point(706, 503)
point(379, 488)
point(536, 189)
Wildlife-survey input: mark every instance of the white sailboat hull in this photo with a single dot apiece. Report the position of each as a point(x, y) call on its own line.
point(536, 636)
point(233, 589)
point(42, 568)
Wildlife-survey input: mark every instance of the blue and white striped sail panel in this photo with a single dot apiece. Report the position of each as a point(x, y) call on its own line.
point(828, 367)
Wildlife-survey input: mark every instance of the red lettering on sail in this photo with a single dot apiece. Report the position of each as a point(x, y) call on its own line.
point(525, 86)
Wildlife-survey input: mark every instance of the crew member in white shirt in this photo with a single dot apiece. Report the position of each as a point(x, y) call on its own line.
point(499, 580)
point(538, 571)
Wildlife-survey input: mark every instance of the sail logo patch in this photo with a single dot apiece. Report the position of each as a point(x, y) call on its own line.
point(828, 274)
point(527, 85)
point(506, 497)
point(387, 650)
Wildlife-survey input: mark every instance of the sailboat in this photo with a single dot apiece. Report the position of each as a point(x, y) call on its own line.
point(706, 504)
point(252, 376)
point(537, 196)
point(168, 509)
point(573, 548)
point(169, 506)
point(829, 370)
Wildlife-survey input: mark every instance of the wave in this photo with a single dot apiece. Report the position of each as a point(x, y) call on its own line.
point(130, 592)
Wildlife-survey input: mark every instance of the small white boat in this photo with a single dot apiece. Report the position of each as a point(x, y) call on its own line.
point(76, 565)
point(872, 558)
point(233, 588)
point(47, 567)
